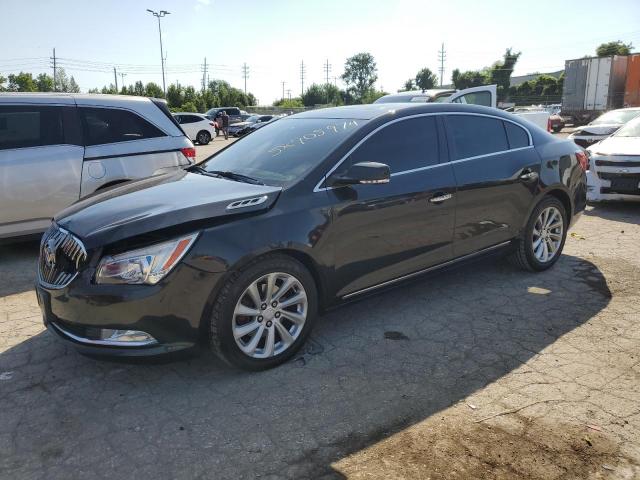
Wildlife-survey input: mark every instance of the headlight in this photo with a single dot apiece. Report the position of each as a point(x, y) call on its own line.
point(146, 265)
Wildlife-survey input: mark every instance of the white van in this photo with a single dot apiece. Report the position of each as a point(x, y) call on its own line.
point(58, 148)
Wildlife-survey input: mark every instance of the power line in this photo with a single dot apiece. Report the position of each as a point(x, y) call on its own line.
point(442, 55)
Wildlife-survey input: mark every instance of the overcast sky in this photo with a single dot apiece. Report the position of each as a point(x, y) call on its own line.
point(274, 36)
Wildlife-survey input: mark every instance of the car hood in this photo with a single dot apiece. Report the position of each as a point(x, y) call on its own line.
point(159, 202)
point(626, 146)
point(605, 129)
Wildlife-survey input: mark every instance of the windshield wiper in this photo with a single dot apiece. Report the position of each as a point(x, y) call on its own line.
point(238, 177)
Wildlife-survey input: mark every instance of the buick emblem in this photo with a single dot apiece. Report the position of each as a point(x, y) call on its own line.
point(50, 254)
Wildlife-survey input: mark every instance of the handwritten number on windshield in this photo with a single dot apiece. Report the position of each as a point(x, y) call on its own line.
point(308, 137)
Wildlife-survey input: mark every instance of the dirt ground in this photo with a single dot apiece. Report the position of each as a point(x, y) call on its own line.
point(483, 372)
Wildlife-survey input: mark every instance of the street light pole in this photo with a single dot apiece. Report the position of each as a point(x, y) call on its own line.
point(159, 15)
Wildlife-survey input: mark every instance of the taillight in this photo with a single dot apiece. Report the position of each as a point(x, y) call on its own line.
point(549, 129)
point(189, 152)
point(583, 159)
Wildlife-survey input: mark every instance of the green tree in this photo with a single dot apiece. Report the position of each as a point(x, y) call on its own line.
point(500, 73)
point(93, 90)
point(3, 87)
point(153, 90)
point(372, 95)
point(175, 96)
point(426, 79)
point(408, 85)
point(44, 83)
point(360, 74)
point(188, 107)
point(65, 83)
point(614, 48)
point(472, 78)
point(138, 89)
point(288, 103)
point(22, 82)
point(315, 95)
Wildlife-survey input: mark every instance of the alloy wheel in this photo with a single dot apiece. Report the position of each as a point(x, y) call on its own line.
point(270, 315)
point(547, 234)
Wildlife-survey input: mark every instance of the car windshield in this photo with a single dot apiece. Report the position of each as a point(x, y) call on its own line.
point(253, 118)
point(631, 129)
point(616, 116)
point(283, 152)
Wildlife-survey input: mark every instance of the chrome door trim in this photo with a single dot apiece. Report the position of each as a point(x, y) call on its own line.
point(426, 270)
point(319, 188)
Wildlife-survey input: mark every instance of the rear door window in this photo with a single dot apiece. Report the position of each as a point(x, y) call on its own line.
point(473, 135)
point(404, 145)
point(30, 126)
point(110, 125)
point(190, 119)
point(516, 135)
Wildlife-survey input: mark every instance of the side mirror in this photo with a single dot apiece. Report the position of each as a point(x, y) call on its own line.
point(362, 173)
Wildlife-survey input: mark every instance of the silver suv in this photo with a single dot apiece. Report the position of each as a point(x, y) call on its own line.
point(58, 148)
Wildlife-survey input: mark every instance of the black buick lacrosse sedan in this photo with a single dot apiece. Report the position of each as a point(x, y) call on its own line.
point(243, 250)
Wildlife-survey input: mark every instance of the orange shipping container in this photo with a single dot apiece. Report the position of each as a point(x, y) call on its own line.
point(632, 87)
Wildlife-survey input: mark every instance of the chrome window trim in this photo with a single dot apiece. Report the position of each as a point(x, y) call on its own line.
point(319, 188)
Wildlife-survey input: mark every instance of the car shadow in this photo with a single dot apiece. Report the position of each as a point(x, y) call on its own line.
point(18, 264)
point(371, 368)
point(616, 211)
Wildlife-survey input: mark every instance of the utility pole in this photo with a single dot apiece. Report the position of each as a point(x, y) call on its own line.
point(115, 78)
point(289, 93)
point(159, 15)
point(442, 55)
point(55, 87)
point(245, 74)
point(303, 70)
point(283, 83)
point(204, 75)
point(327, 69)
point(122, 75)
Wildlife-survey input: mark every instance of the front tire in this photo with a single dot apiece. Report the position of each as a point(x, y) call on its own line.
point(542, 241)
point(264, 313)
point(203, 137)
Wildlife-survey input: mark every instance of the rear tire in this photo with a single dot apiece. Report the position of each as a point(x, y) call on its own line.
point(246, 304)
point(203, 137)
point(541, 243)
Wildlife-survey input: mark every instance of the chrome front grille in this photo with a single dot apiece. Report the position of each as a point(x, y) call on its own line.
point(61, 257)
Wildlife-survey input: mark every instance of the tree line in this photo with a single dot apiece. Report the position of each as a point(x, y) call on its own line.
point(360, 76)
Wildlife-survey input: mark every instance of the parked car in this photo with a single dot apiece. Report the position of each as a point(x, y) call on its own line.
point(614, 166)
point(58, 148)
point(199, 128)
point(240, 128)
point(255, 126)
point(306, 213)
point(603, 126)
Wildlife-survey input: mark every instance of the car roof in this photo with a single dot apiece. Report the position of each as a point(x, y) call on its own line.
point(71, 98)
point(375, 110)
point(190, 113)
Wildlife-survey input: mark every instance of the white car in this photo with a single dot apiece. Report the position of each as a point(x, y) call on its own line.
point(58, 148)
point(197, 126)
point(614, 166)
point(603, 126)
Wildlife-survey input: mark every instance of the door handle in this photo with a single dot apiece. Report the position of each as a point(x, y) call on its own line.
point(440, 197)
point(528, 175)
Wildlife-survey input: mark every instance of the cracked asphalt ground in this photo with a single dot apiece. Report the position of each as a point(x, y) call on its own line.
point(480, 372)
